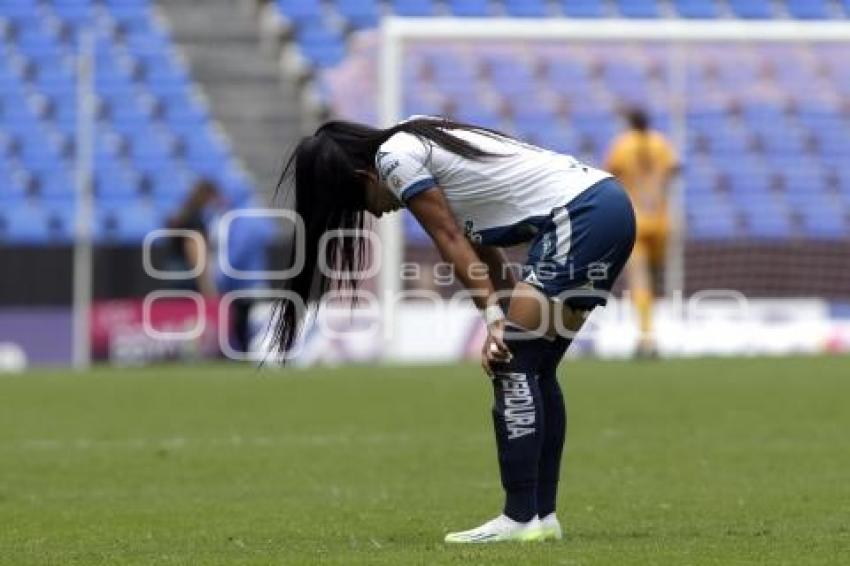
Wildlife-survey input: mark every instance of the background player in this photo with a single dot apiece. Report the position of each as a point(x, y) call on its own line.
point(645, 162)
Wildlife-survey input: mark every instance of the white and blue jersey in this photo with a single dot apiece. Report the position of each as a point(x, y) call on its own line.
point(579, 219)
point(498, 201)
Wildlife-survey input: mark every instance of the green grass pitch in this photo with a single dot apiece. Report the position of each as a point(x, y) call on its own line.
point(739, 461)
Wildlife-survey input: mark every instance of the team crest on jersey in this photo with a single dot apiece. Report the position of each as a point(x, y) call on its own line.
point(385, 169)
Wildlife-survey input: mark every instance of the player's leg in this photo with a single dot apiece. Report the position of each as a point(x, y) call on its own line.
point(640, 286)
point(658, 254)
point(241, 313)
point(554, 419)
point(532, 339)
point(518, 420)
point(601, 236)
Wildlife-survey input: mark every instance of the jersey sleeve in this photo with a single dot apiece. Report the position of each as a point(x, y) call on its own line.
point(402, 164)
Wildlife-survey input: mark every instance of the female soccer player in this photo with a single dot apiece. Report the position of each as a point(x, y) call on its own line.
point(475, 191)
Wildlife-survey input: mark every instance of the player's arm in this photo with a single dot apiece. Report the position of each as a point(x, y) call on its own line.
point(432, 211)
point(500, 273)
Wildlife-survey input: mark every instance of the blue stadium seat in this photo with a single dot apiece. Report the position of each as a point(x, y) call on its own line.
point(475, 114)
point(833, 142)
point(134, 17)
point(112, 4)
point(53, 72)
point(12, 183)
point(169, 186)
point(154, 148)
point(786, 143)
point(526, 8)
point(767, 219)
point(320, 44)
point(21, 13)
point(169, 88)
point(145, 107)
point(181, 108)
point(34, 41)
point(752, 9)
point(129, 223)
point(410, 8)
point(552, 137)
point(697, 9)
point(25, 223)
point(583, 8)
point(727, 142)
point(564, 71)
point(470, 8)
point(808, 9)
point(822, 218)
point(324, 54)
point(709, 218)
point(511, 76)
point(161, 68)
point(144, 41)
point(62, 221)
point(301, 10)
point(235, 185)
point(130, 108)
point(360, 13)
point(37, 148)
point(112, 73)
point(75, 13)
point(639, 8)
point(54, 180)
point(115, 182)
point(200, 148)
point(107, 145)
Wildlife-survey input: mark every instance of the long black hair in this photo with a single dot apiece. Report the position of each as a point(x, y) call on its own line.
point(330, 194)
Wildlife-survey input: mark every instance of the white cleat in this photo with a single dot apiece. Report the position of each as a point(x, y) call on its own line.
point(551, 527)
point(500, 529)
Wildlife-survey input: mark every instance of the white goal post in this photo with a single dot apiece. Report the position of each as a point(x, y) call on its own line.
point(395, 32)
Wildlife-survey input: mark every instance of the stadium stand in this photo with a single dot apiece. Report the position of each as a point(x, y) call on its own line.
point(154, 135)
point(767, 149)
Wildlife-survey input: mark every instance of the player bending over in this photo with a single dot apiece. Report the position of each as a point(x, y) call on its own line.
point(645, 162)
point(475, 191)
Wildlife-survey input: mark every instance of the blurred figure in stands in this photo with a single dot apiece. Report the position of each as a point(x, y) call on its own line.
point(184, 253)
point(245, 239)
point(246, 242)
point(645, 162)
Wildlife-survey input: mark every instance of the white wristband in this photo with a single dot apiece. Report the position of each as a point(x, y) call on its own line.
point(493, 314)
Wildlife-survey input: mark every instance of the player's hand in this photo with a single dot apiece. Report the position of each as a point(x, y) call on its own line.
point(494, 349)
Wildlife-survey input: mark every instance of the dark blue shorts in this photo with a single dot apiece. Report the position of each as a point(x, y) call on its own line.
point(583, 246)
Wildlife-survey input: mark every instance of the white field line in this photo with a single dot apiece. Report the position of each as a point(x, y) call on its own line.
point(235, 441)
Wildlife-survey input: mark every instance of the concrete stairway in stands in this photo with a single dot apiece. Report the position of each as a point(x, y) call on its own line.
point(248, 95)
